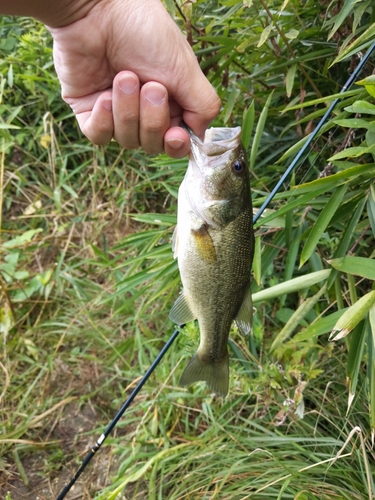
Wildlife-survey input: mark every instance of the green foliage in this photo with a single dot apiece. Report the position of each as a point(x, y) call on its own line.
point(88, 277)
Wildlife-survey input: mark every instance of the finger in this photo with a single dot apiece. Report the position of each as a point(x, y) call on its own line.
point(97, 123)
point(197, 97)
point(126, 109)
point(154, 117)
point(176, 142)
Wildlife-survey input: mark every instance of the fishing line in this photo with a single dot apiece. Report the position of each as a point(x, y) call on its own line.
point(173, 337)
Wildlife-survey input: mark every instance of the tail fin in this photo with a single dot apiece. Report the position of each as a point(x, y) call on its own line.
point(215, 374)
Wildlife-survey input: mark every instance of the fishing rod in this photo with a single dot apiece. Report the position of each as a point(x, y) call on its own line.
point(119, 414)
point(174, 335)
point(326, 115)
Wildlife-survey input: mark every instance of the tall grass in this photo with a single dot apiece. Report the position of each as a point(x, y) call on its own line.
point(87, 276)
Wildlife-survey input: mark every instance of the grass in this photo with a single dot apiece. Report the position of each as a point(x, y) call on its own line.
point(88, 278)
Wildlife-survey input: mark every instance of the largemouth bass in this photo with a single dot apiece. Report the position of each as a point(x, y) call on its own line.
point(214, 245)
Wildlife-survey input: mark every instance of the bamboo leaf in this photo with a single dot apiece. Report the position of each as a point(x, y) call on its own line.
point(347, 238)
point(297, 317)
point(292, 34)
point(264, 35)
point(322, 223)
point(247, 125)
point(371, 208)
point(257, 262)
point(353, 152)
point(355, 354)
point(355, 123)
point(362, 107)
point(259, 131)
point(371, 366)
point(319, 327)
point(289, 81)
point(291, 205)
point(344, 11)
point(359, 266)
point(352, 316)
point(369, 84)
point(359, 43)
point(293, 285)
point(228, 108)
point(320, 100)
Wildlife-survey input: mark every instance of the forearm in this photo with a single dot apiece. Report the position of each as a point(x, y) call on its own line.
point(52, 13)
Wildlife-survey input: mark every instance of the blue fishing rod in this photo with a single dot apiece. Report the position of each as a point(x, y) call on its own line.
point(298, 158)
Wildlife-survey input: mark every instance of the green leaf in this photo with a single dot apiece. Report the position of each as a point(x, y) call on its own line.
point(359, 43)
point(257, 262)
point(319, 327)
point(359, 266)
point(362, 107)
point(355, 123)
point(228, 108)
point(247, 125)
point(293, 285)
point(259, 131)
point(264, 35)
point(321, 224)
point(8, 126)
point(369, 84)
point(303, 309)
point(355, 354)
point(22, 239)
point(353, 152)
point(320, 100)
point(371, 365)
point(371, 208)
point(292, 34)
point(289, 81)
point(352, 316)
point(344, 12)
point(347, 237)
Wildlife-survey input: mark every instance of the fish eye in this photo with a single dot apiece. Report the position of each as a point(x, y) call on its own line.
point(238, 167)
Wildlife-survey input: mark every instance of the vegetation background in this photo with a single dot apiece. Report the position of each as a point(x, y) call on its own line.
point(87, 275)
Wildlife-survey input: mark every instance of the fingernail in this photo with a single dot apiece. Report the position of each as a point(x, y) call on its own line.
point(155, 95)
point(175, 143)
point(128, 85)
point(107, 103)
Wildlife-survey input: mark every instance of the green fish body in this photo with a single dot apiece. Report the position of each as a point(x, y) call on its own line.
point(214, 245)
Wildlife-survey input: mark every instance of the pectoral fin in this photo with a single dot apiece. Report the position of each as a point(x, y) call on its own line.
point(204, 244)
point(181, 312)
point(175, 242)
point(244, 318)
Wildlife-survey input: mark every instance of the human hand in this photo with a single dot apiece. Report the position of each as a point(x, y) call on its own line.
point(128, 73)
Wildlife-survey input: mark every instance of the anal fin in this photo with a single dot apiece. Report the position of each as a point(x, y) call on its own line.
point(175, 242)
point(244, 318)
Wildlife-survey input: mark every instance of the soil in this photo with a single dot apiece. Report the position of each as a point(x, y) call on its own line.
point(46, 478)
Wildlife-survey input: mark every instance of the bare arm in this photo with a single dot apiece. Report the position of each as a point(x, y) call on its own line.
point(126, 70)
point(52, 13)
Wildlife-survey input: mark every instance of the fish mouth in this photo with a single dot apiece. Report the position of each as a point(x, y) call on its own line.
point(218, 142)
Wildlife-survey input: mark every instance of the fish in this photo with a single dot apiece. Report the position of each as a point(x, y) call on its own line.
point(214, 246)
